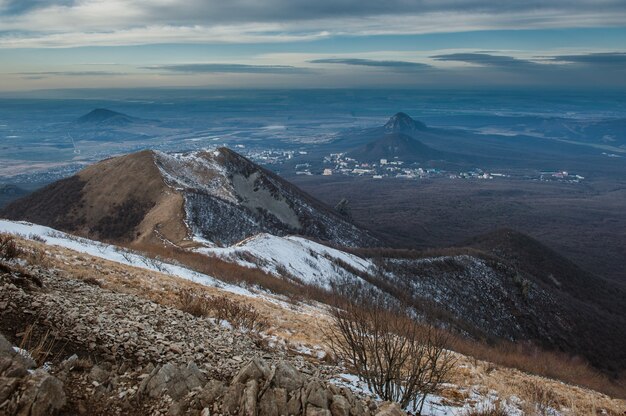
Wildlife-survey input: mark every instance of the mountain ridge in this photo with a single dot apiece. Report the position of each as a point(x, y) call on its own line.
point(148, 196)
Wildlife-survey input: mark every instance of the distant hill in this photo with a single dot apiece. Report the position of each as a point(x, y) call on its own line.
point(217, 196)
point(594, 305)
point(400, 124)
point(106, 116)
point(396, 145)
point(403, 123)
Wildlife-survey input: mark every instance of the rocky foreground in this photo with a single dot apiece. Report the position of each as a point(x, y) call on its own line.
point(102, 352)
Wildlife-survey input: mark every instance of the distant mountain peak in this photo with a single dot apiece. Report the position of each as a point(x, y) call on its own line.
point(403, 123)
point(104, 115)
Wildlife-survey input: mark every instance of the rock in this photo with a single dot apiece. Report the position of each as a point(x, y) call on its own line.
point(294, 404)
point(7, 387)
point(7, 351)
point(177, 381)
point(5, 347)
point(288, 377)
point(212, 391)
point(390, 409)
point(248, 406)
point(176, 409)
point(232, 397)
point(358, 408)
point(268, 405)
point(98, 374)
point(339, 406)
point(317, 395)
point(14, 368)
point(316, 411)
point(68, 364)
point(256, 369)
point(205, 412)
point(280, 396)
point(43, 395)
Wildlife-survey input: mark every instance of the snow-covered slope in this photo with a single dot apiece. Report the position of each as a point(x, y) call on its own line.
point(112, 253)
point(294, 257)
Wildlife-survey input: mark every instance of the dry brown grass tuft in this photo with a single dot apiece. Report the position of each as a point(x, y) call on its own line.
point(39, 344)
point(496, 410)
point(9, 249)
point(194, 302)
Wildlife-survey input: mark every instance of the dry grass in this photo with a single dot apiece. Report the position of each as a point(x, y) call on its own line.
point(38, 343)
point(300, 324)
point(496, 410)
point(194, 303)
point(236, 274)
point(531, 359)
point(8, 247)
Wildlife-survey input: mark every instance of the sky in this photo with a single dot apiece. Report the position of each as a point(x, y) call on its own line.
point(60, 44)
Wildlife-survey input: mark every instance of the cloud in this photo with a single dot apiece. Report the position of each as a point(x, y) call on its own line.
point(16, 7)
point(45, 74)
point(64, 23)
point(228, 68)
point(397, 65)
point(485, 59)
point(599, 58)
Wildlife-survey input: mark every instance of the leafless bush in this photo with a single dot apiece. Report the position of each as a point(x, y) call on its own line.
point(239, 315)
point(126, 254)
point(193, 303)
point(399, 359)
point(36, 237)
point(8, 247)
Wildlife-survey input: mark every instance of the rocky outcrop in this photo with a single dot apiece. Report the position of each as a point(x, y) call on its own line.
point(24, 391)
point(259, 389)
point(175, 380)
point(128, 355)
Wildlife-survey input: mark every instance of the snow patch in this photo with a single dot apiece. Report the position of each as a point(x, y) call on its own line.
point(115, 254)
point(298, 257)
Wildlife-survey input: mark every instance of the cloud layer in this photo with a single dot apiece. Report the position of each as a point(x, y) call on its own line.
point(389, 65)
point(228, 68)
point(63, 23)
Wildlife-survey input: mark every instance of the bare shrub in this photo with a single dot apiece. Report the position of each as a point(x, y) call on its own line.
point(8, 247)
point(239, 315)
point(399, 359)
point(36, 237)
point(195, 304)
point(126, 254)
